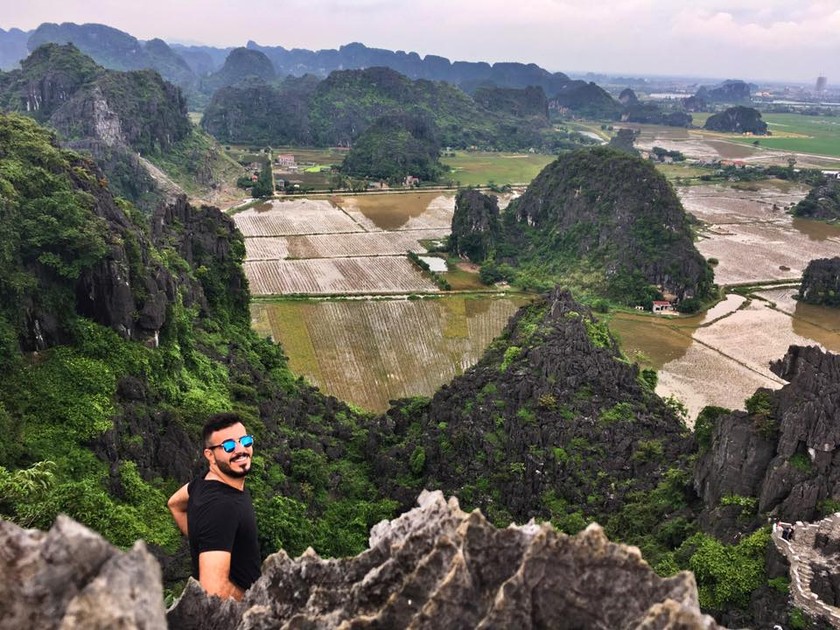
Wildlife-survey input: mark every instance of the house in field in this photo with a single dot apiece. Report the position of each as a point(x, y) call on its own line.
point(285, 159)
point(832, 174)
point(660, 306)
point(411, 181)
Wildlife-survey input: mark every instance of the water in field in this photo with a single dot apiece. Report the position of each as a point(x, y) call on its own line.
point(722, 357)
point(400, 211)
point(368, 352)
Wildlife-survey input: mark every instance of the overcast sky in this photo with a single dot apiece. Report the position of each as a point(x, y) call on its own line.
point(744, 39)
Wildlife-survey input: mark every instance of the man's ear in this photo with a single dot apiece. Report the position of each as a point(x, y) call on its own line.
point(208, 455)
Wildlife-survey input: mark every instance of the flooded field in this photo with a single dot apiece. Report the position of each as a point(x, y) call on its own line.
point(369, 352)
point(342, 245)
point(752, 236)
point(723, 356)
point(699, 144)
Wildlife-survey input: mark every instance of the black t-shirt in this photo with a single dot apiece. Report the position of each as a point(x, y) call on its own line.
point(221, 518)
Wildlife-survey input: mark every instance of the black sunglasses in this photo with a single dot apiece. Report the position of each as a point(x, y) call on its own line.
point(230, 445)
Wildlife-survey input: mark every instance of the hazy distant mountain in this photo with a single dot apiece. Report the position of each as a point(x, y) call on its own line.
point(183, 65)
point(12, 47)
point(203, 60)
point(336, 110)
point(116, 50)
point(241, 63)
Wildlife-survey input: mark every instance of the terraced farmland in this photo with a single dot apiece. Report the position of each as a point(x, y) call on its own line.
point(330, 276)
point(339, 246)
point(369, 352)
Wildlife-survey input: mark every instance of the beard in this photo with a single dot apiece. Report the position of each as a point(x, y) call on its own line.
point(226, 468)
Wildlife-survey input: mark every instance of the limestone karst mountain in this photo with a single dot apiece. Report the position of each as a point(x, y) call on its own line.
point(821, 282)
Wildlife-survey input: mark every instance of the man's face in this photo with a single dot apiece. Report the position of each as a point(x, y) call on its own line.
point(237, 463)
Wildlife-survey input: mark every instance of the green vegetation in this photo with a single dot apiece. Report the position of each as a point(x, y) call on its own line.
point(65, 404)
point(585, 214)
point(394, 148)
point(478, 168)
point(802, 134)
point(728, 574)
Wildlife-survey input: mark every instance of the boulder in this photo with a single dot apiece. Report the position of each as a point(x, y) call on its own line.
point(71, 578)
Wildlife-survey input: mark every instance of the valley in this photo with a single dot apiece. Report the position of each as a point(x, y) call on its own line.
point(307, 256)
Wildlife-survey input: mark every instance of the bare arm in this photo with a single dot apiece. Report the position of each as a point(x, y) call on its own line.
point(214, 575)
point(177, 504)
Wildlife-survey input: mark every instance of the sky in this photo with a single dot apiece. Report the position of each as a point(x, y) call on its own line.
point(784, 40)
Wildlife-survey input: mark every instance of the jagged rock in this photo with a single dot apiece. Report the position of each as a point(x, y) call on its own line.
point(787, 451)
point(558, 419)
point(71, 578)
point(439, 567)
point(822, 203)
point(821, 281)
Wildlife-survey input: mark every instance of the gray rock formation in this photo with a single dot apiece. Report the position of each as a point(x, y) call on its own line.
point(71, 578)
point(475, 225)
point(439, 567)
point(786, 450)
point(433, 567)
point(821, 281)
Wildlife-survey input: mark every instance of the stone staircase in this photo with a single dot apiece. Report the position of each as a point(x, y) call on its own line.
point(804, 557)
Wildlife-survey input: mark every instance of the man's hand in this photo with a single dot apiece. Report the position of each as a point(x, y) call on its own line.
point(214, 575)
point(177, 504)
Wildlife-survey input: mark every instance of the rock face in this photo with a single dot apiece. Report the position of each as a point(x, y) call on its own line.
point(71, 578)
point(628, 97)
point(822, 202)
point(731, 91)
point(475, 225)
point(439, 567)
point(738, 119)
point(530, 101)
point(112, 115)
point(786, 449)
point(821, 282)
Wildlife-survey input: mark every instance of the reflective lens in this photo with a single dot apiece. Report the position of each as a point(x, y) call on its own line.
point(230, 445)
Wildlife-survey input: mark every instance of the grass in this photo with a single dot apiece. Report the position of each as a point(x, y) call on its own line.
point(684, 172)
point(819, 135)
point(477, 168)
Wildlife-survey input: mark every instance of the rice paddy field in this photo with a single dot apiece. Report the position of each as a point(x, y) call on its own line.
point(813, 140)
point(398, 335)
point(342, 245)
point(480, 168)
point(751, 234)
point(371, 351)
point(818, 135)
point(722, 356)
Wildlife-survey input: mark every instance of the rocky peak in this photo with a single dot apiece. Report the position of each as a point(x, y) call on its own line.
point(784, 449)
point(618, 214)
point(551, 410)
point(433, 567)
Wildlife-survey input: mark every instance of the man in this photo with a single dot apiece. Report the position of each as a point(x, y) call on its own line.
point(217, 514)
